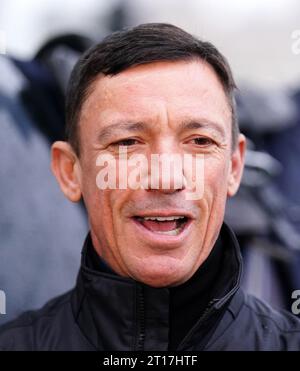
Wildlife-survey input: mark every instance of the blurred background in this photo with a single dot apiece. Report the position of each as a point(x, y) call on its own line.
point(41, 234)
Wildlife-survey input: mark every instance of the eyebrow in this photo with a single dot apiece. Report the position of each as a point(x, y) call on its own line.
point(205, 124)
point(188, 124)
point(108, 131)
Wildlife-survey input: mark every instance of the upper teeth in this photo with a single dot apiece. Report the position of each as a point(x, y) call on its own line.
point(163, 218)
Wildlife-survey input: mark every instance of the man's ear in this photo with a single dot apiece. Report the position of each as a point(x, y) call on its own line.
point(65, 166)
point(237, 166)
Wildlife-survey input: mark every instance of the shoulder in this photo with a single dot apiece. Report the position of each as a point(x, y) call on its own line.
point(283, 320)
point(268, 328)
point(31, 330)
point(250, 324)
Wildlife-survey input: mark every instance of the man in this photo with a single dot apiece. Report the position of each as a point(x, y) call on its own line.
point(160, 270)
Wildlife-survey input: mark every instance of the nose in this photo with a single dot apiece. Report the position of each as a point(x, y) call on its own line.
point(166, 170)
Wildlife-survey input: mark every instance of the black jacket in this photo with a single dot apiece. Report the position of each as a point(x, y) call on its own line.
point(108, 312)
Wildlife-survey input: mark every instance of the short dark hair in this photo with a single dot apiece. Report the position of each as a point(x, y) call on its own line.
point(146, 43)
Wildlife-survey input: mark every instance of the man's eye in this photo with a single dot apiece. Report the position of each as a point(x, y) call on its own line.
point(125, 142)
point(203, 141)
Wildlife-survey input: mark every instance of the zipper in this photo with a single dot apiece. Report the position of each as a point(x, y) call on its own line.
point(207, 312)
point(213, 306)
point(210, 309)
point(141, 319)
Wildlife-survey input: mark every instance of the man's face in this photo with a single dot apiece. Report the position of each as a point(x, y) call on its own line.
point(162, 107)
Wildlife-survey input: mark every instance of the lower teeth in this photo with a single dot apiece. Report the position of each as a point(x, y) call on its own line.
point(173, 232)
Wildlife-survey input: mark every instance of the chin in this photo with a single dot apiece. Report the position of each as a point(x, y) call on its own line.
point(161, 275)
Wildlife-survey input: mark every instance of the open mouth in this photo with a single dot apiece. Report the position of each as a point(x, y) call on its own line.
point(165, 225)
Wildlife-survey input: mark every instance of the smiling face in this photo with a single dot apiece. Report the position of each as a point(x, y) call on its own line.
point(156, 236)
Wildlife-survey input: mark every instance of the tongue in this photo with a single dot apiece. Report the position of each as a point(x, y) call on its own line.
point(159, 226)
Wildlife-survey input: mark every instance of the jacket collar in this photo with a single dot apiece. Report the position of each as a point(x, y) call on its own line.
point(117, 313)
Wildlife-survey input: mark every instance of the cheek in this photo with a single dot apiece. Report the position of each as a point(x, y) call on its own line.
point(100, 209)
point(215, 186)
point(105, 209)
point(103, 205)
point(216, 174)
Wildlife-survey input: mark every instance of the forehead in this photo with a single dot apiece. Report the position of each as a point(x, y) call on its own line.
point(176, 88)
